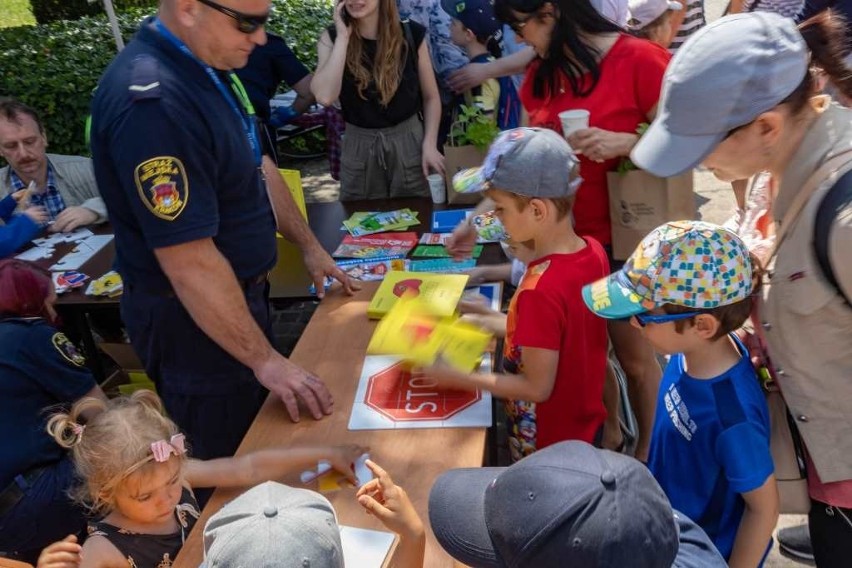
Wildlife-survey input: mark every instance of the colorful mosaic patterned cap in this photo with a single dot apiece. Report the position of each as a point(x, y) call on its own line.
point(687, 263)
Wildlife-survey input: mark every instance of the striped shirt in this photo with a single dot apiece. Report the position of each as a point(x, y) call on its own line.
point(50, 199)
point(786, 8)
point(692, 22)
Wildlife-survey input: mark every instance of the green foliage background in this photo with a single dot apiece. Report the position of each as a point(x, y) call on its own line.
point(55, 67)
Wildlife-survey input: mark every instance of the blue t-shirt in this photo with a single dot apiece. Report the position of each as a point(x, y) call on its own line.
point(710, 443)
point(174, 164)
point(268, 66)
point(39, 368)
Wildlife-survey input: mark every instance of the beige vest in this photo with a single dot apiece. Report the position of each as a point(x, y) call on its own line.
point(808, 324)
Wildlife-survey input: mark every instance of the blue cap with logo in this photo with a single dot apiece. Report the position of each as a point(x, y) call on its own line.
point(476, 15)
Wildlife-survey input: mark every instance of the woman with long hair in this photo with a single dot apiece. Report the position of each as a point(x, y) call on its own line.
point(741, 98)
point(379, 69)
point(39, 369)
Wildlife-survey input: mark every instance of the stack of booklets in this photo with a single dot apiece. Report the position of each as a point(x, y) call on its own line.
point(421, 338)
point(367, 223)
point(437, 294)
point(391, 245)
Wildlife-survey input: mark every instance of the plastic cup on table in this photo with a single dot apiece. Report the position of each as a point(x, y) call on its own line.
point(437, 188)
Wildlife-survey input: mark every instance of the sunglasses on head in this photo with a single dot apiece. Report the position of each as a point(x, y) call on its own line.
point(645, 319)
point(246, 23)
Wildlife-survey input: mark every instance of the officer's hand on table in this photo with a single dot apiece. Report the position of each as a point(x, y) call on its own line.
point(71, 218)
point(320, 265)
point(292, 383)
point(461, 242)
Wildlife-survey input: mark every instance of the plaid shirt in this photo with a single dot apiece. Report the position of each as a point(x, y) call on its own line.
point(50, 199)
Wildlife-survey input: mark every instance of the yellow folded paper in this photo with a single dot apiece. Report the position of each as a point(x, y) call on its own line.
point(410, 332)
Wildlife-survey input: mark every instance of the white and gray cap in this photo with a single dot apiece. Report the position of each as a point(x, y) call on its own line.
point(274, 525)
point(724, 76)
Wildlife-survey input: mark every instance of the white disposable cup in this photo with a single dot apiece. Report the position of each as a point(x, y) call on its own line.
point(573, 120)
point(437, 187)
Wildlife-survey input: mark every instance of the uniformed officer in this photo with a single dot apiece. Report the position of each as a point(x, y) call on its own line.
point(39, 368)
point(177, 152)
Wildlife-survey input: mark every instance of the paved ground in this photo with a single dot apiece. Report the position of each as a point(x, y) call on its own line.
point(715, 202)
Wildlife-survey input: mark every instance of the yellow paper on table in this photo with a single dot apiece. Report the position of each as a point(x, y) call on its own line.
point(294, 181)
point(437, 294)
point(421, 338)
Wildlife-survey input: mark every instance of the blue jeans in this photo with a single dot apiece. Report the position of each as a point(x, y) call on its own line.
point(44, 515)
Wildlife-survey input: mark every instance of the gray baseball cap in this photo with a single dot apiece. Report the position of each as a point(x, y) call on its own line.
point(273, 525)
point(724, 76)
point(569, 504)
point(535, 162)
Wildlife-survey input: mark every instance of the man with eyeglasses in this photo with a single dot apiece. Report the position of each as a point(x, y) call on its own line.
point(177, 149)
point(689, 285)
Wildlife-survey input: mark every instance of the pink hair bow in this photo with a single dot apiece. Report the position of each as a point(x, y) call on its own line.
point(162, 449)
point(77, 430)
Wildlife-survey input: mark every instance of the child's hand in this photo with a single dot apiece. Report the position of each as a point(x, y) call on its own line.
point(63, 554)
point(476, 275)
point(389, 503)
point(37, 214)
point(461, 242)
point(445, 376)
point(492, 322)
point(341, 458)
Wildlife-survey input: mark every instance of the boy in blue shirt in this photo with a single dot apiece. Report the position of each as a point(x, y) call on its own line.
point(688, 286)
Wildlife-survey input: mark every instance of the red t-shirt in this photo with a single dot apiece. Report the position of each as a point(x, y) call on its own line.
point(628, 88)
point(547, 312)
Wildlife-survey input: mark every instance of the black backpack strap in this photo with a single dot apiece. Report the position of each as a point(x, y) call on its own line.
point(409, 40)
point(835, 200)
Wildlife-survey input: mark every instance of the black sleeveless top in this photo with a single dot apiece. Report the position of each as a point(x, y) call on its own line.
point(406, 102)
point(152, 550)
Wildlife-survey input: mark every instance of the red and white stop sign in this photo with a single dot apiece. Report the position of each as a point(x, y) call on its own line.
point(406, 397)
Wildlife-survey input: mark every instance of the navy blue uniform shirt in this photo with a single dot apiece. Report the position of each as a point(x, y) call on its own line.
point(174, 164)
point(39, 368)
point(269, 65)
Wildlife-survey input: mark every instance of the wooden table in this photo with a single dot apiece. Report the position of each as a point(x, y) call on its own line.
point(333, 346)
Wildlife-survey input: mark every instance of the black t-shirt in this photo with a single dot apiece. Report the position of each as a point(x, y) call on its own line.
point(407, 100)
point(39, 369)
point(268, 66)
point(174, 164)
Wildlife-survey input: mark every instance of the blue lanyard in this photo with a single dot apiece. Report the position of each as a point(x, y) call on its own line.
point(237, 90)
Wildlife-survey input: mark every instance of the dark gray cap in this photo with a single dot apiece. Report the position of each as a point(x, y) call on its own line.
point(724, 76)
point(535, 162)
point(569, 504)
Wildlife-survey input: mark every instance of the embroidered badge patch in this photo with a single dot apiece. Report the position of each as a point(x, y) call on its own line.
point(162, 186)
point(68, 350)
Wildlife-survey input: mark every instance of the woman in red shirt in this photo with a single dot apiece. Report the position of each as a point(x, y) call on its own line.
point(585, 61)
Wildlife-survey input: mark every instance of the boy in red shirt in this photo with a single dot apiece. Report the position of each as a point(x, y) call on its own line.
point(554, 358)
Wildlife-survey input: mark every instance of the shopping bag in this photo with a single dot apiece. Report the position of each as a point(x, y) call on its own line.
point(639, 202)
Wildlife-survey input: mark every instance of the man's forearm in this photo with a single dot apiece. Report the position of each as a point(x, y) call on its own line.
point(207, 287)
point(98, 207)
point(290, 221)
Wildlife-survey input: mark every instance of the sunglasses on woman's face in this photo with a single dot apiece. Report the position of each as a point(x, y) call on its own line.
point(246, 23)
point(645, 319)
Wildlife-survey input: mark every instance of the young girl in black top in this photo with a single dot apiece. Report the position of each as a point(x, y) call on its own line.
point(379, 68)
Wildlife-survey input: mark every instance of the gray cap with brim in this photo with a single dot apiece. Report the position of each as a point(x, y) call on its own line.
point(724, 76)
